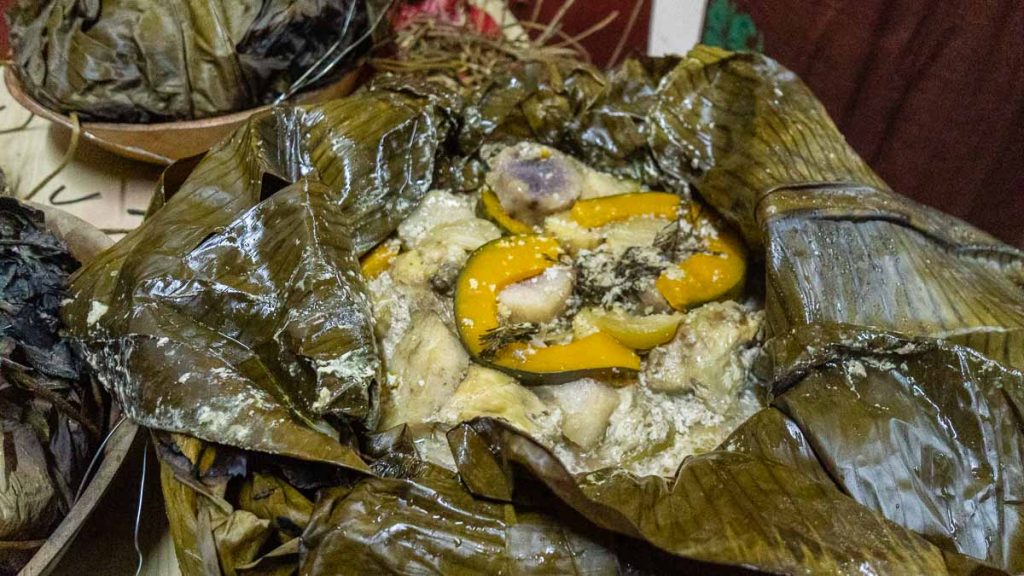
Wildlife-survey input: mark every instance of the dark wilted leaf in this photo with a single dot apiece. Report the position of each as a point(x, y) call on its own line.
point(50, 419)
point(273, 499)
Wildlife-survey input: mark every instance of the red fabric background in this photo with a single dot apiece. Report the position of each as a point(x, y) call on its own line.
point(931, 93)
point(585, 13)
point(4, 46)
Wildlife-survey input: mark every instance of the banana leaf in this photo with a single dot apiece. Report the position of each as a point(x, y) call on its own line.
point(160, 60)
point(419, 514)
point(892, 440)
point(225, 310)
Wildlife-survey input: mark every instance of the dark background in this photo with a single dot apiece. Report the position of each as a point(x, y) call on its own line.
point(929, 92)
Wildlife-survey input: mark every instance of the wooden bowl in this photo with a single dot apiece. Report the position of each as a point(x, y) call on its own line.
point(165, 142)
point(84, 242)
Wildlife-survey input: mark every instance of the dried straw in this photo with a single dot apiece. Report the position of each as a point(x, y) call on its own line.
point(627, 32)
point(432, 48)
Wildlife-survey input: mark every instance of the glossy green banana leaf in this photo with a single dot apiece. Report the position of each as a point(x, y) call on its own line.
point(412, 517)
point(892, 441)
point(237, 313)
point(159, 60)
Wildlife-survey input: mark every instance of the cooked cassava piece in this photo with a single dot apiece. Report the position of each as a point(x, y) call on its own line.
point(566, 344)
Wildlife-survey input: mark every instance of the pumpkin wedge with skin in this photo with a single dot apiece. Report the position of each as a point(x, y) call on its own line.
point(636, 332)
point(504, 262)
point(714, 275)
point(597, 212)
point(704, 277)
point(490, 208)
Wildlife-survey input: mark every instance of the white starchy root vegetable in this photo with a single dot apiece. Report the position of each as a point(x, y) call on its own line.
point(395, 304)
point(586, 407)
point(707, 356)
point(442, 250)
point(599, 185)
point(570, 234)
point(539, 299)
point(466, 235)
point(486, 392)
point(427, 366)
point(446, 248)
point(411, 269)
point(637, 231)
point(533, 181)
point(438, 207)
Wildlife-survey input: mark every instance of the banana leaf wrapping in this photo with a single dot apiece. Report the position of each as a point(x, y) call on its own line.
point(159, 60)
point(892, 440)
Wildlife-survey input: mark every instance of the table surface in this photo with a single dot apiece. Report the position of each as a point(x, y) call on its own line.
point(29, 155)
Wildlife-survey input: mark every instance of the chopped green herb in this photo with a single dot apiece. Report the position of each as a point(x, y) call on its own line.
point(496, 339)
point(678, 240)
point(606, 280)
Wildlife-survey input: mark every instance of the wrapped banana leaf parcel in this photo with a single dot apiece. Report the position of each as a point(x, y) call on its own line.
point(142, 61)
point(656, 320)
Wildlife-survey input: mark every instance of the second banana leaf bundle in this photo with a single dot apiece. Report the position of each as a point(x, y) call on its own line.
point(164, 60)
point(236, 324)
